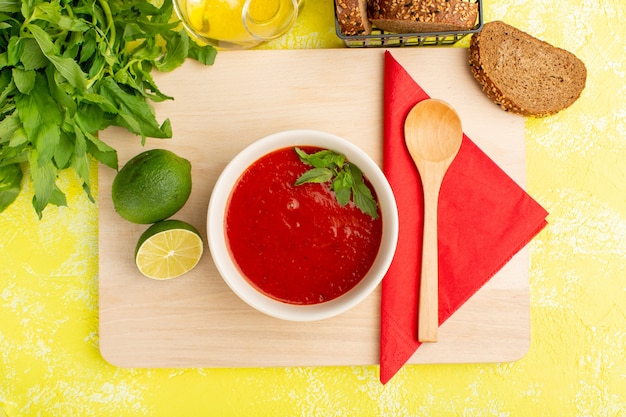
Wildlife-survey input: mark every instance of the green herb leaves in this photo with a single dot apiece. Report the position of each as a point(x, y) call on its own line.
point(10, 179)
point(70, 68)
point(346, 179)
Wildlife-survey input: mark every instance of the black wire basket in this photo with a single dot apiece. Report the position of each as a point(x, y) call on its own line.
point(380, 38)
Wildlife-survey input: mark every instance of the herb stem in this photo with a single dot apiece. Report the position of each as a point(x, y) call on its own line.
point(110, 23)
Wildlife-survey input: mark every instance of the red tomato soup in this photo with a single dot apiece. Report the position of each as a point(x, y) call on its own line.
point(297, 244)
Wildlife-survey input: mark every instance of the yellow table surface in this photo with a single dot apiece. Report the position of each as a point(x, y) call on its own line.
point(50, 364)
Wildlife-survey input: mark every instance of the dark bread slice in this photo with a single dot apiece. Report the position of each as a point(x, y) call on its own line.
point(418, 16)
point(377, 9)
point(522, 74)
point(352, 17)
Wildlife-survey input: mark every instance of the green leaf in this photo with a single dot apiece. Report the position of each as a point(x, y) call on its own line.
point(204, 54)
point(44, 182)
point(88, 47)
point(14, 51)
point(8, 126)
point(24, 80)
point(41, 118)
point(10, 184)
point(98, 65)
point(6, 84)
point(355, 172)
point(80, 161)
point(364, 200)
point(63, 152)
point(26, 7)
point(58, 197)
point(148, 87)
point(101, 151)
point(342, 186)
point(133, 112)
point(99, 101)
point(17, 154)
point(315, 175)
point(342, 195)
point(11, 133)
point(177, 45)
point(162, 14)
point(31, 57)
point(49, 12)
point(72, 45)
point(132, 31)
point(91, 117)
point(67, 67)
point(4, 59)
point(9, 6)
point(323, 158)
point(60, 92)
point(18, 138)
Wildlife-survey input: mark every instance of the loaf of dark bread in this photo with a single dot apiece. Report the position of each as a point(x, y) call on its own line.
point(352, 17)
point(356, 17)
point(418, 16)
point(522, 74)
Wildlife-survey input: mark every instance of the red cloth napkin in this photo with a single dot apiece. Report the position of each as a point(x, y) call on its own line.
point(484, 219)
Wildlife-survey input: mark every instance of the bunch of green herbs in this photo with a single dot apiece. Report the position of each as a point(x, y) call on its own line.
point(70, 68)
point(345, 179)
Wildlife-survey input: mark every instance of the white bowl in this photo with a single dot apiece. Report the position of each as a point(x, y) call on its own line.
point(219, 246)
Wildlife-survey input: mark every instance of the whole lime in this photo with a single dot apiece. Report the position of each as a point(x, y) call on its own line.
point(152, 186)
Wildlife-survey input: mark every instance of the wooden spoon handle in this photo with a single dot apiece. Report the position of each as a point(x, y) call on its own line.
point(428, 309)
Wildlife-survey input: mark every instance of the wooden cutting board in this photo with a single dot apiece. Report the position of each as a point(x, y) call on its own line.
point(195, 320)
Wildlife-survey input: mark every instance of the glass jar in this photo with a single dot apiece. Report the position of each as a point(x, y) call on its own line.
point(237, 24)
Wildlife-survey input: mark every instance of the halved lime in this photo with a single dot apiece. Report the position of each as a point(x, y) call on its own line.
point(168, 249)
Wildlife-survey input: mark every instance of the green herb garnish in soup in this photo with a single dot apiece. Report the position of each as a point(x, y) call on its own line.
point(303, 235)
point(345, 177)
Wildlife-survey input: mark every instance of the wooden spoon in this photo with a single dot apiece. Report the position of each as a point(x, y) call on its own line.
point(433, 135)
